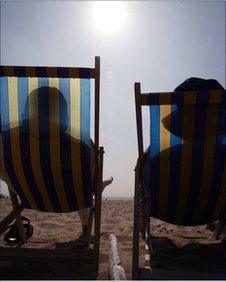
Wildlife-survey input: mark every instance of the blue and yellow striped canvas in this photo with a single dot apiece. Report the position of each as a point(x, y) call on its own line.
point(46, 137)
point(185, 171)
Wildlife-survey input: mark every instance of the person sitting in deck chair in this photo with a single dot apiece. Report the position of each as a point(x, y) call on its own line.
point(46, 122)
point(172, 123)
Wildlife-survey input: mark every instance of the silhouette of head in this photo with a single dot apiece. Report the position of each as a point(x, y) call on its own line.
point(173, 122)
point(46, 108)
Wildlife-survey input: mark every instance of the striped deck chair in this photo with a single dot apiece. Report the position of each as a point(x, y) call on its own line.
point(51, 164)
point(180, 182)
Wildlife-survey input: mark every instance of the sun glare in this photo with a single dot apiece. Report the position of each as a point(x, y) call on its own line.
point(109, 16)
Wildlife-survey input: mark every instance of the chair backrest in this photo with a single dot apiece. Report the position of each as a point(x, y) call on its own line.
point(45, 121)
point(185, 168)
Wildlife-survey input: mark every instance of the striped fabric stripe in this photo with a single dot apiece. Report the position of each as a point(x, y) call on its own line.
point(154, 150)
point(174, 170)
point(164, 163)
point(185, 167)
point(186, 180)
point(181, 98)
point(65, 146)
point(85, 126)
point(76, 133)
point(22, 71)
point(55, 154)
point(48, 166)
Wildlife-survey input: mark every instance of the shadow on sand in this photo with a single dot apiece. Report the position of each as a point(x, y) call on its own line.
point(192, 261)
point(63, 270)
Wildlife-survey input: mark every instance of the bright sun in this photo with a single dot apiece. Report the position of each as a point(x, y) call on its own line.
point(109, 16)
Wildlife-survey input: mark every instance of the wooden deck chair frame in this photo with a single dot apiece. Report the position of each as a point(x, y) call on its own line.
point(139, 195)
point(141, 218)
point(95, 212)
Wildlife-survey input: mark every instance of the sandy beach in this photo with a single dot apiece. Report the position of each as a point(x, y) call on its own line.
point(179, 252)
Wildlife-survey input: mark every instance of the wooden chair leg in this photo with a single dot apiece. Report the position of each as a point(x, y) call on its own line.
point(149, 237)
point(97, 209)
point(89, 227)
point(147, 253)
point(148, 245)
point(136, 228)
point(5, 222)
point(19, 222)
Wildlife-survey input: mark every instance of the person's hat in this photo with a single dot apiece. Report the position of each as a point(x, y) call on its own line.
point(172, 122)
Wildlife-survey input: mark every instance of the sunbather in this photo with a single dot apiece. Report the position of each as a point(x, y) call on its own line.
point(172, 123)
point(50, 98)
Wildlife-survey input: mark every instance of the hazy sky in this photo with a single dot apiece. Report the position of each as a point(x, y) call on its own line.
point(157, 43)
